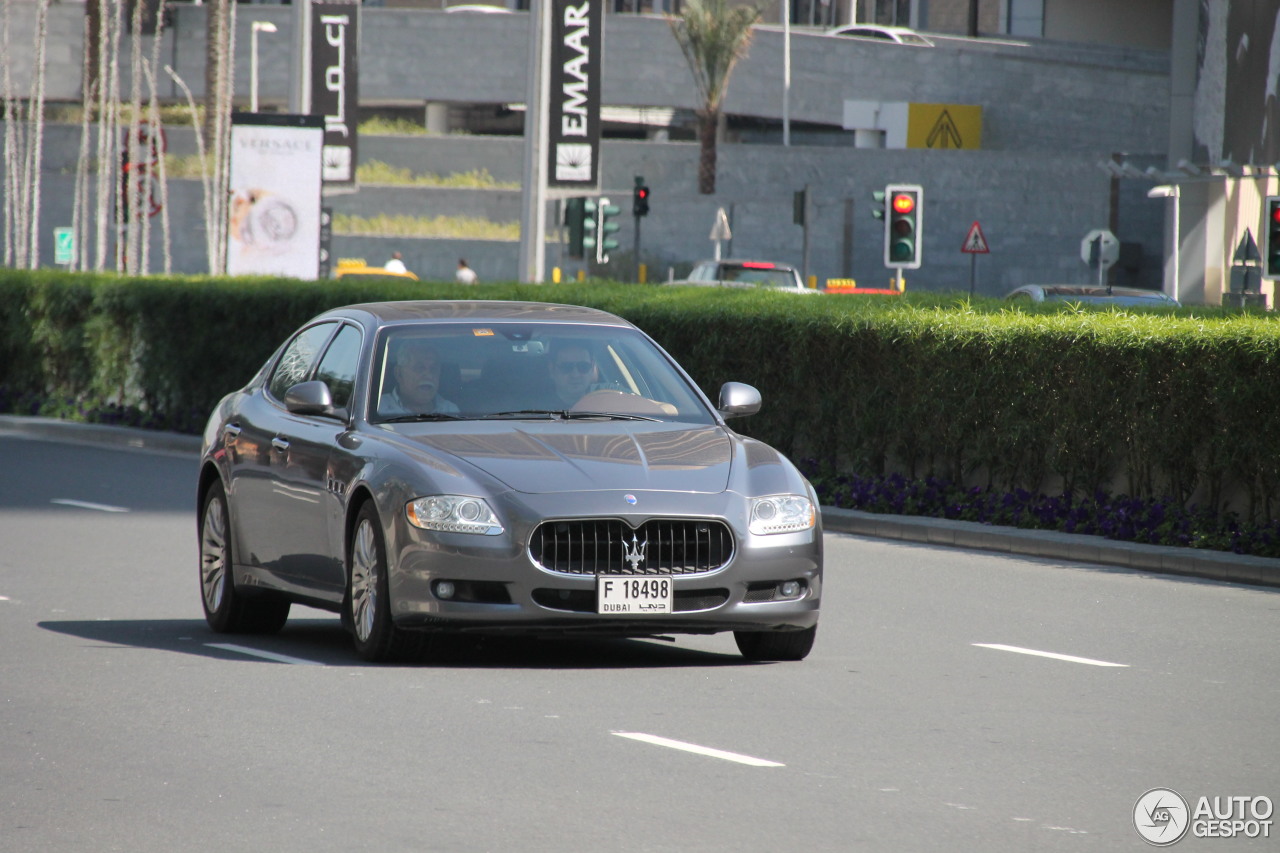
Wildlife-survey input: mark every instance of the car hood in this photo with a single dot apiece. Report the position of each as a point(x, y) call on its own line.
point(545, 458)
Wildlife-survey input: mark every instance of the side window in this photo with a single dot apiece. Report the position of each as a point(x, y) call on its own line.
point(295, 363)
point(338, 367)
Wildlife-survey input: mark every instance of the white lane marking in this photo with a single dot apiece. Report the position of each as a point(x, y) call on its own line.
point(258, 653)
point(1069, 658)
point(88, 505)
point(4, 598)
point(699, 750)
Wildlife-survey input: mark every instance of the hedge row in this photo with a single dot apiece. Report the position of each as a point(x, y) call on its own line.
point(1177, 406)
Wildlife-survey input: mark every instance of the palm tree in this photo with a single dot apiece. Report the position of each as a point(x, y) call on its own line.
point(713, 36)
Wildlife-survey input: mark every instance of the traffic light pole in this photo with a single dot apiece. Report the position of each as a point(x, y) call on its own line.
point(533, 214)
point(635, 261)
point(805, 257)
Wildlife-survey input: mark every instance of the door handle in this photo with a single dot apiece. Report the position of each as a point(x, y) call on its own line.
point(281, 444)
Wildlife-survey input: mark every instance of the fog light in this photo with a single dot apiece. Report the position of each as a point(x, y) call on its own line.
point(445, 589)
point(789, 589)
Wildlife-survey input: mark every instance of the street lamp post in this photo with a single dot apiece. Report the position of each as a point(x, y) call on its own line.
point(1172, 191)
point(258, 26)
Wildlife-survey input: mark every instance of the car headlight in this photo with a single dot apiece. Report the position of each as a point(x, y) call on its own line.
point(453, 514)
point(781, 514)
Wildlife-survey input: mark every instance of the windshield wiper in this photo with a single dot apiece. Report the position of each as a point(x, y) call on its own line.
point(425, 416)
point(529, 413)
point(566, 415)
point(615, 416)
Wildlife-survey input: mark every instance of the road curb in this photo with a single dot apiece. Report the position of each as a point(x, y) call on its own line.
point(52, 429)
point(1161, 559)
point(1049, 544)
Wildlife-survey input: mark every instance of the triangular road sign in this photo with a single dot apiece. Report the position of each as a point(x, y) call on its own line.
point(974, 242)
point(1247, 251)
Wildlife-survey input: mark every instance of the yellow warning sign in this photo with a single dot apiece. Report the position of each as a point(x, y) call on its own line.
point(940, 126)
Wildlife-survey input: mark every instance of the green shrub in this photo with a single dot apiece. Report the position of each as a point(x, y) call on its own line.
point(1177, 404)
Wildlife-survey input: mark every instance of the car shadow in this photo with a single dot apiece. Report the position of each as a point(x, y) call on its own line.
point(324, 642)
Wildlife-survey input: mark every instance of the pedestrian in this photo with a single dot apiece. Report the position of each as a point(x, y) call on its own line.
point(396, 264)
point(465, 274)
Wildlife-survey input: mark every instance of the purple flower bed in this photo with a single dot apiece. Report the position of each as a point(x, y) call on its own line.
point(1121, 517)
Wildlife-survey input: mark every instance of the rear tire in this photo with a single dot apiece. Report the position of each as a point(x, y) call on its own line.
point(225, 609)
point(367, 607)
point(775, 645)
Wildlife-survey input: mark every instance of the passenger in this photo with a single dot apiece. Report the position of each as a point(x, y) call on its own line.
point(417, 383)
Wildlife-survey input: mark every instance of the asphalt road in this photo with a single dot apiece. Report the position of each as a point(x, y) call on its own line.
point(126, 725)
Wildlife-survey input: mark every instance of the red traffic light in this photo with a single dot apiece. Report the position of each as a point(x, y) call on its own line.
point(642, 192)
point(1275, 213)
point(904, 202)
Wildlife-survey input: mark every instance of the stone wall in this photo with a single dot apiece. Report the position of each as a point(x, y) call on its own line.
point(1034, 208)
point(1051, 113)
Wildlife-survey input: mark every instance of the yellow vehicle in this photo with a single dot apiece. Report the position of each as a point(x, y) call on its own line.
point(358, 267)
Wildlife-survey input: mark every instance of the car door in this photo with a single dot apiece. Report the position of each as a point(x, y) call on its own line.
point(276, 478)
point(339, 455)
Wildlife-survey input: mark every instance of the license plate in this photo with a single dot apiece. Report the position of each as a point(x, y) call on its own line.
point(626, 594)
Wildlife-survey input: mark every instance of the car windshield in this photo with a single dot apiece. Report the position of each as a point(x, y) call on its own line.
point(526, 371)
point(1100, 295)
point(759, 276)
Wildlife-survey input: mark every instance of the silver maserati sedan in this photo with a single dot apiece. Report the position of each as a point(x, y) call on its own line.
point(432, 468)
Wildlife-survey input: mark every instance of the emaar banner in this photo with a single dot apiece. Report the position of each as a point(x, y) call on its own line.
point(577, 41)
point(334, 89)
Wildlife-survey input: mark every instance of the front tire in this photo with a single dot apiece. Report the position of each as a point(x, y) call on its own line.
point(775, 645)
point(225, 609)
point(368, 599)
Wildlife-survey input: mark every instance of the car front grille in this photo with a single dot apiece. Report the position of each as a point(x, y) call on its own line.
point(613, 547)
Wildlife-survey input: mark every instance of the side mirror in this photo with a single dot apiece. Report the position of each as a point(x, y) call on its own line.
point(309, 398)
point(737, 400)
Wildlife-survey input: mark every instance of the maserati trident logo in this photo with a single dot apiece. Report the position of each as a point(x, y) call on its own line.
point(633, 552)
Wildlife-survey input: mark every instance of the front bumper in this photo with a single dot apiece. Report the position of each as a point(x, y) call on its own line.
point(499, 588)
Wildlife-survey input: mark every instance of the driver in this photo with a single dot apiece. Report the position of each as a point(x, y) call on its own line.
point(417, 383)
point(574, 372)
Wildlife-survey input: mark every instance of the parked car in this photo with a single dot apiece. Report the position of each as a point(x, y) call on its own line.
point(897, 35)
point(1092, 294)
point(479, 8)
point(740, 273)
point(471, 467)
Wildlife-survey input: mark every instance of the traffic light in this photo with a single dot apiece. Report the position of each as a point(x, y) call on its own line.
point(902, 235)
point(877, 205)
point(604, 227)
point(575, 219)
point(640, 198)
point(1271, 238)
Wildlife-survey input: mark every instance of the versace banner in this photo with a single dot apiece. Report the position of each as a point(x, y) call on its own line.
point(577, 39)
point(334, 93)
point(274, 215)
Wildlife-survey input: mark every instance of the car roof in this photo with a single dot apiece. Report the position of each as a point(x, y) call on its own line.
point(900, 34)
point(483, 8)
point(387, 313)
point(742, 261)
